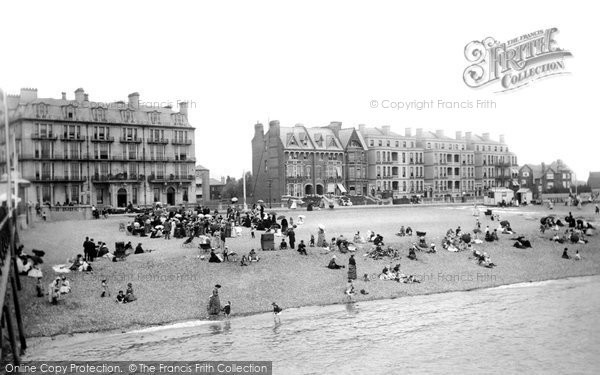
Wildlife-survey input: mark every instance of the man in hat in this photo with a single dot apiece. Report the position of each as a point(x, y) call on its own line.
point(276, 312)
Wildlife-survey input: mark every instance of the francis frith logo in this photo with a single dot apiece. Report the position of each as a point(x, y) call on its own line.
point(514, 63)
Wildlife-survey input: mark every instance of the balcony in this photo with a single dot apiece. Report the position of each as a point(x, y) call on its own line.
point(44, 137)
point(181, 142)
point(161, 141)
point(64, 179)
point(109, 139)
point(130, 140)
point(72, 138)
point(122, 157)
point(119, 177)
point(183, 159)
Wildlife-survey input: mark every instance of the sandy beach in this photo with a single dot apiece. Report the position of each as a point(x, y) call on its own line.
point(173, 284)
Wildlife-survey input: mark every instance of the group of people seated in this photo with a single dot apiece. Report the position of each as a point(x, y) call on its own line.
point(80, 264)
point(251, 257)
point(394, 274)
point(565, 254)
point(56, 289)
point(455, 241)
point(491, 236)
point(570, 235)
point(379, 252)
point(404, 232)
point(522, 243)
point(126, 297)
point(333, 265)
point(483, 259)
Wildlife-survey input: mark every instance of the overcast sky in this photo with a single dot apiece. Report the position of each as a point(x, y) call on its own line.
point(311, 63)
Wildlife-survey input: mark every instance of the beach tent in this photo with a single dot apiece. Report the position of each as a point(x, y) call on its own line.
point(524, 195)
point(495, 196)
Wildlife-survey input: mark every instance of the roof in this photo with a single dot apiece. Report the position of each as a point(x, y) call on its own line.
point(594, 180)
point(201, 168)
point(345, 135)
point(215, 182)
point(301, 138)
point(559, 165)
point(536, 170)
point(377, 132)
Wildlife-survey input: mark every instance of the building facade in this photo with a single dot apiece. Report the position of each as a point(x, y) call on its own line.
point(377, 162)
point(555, 177)
point(107, 154)
point(202, 184)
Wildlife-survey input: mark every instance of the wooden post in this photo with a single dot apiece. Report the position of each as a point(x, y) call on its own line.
point(18, 314)
point(11, 334)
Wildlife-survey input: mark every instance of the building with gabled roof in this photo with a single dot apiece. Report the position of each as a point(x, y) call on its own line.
point(594, 181)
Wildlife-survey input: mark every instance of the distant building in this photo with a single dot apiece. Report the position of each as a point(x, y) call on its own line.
point(594, 182)
point(555, 177)
point(202, 184)
point(106, 154)
point(216, 188)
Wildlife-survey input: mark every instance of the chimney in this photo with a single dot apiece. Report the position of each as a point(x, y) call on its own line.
point(458, 135)
point(134, 100)
point(385, 129)
point(222, 179)
point(335, 126)
point(28, 94)
point(274, 128)
point(502, 138)
point(86, 98)
point(79, 93)
point(259, 130)
point(468, 135)
point(486, 136)
point(408, 132)
point(362, 128)
point(439, 133)
point(543, 169)
point(419, 133)
point(64, 95)
point(183, 108)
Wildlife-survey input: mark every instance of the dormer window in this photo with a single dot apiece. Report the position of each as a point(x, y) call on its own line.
point(41, 110)
point(69, 112)
point(99, 114)
point(154, 118)
point(127, 116)
point(179, 119)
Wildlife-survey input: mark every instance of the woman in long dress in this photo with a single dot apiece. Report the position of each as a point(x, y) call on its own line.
point(214, 304)
point(321, 238)
point(351, 268)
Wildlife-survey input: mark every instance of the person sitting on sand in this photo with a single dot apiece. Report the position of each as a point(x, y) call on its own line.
point(283, 245)
point(121, 297)
point(565, 255)
point(412, 255)
point(366, 277)
point(244, 261)
point(77, 263)
point(65, 286)
point(129, 296)
point(213, 257)
point(401, 232)
point(378, 240)
point(302, 248)
point(409, 231)
point(358, 238)
point(253, 257)
point(139, 249)
point(577, 256)
point(432, 248)
point(333, 265)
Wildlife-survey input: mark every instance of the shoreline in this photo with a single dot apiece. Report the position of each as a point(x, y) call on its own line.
point(36, 340)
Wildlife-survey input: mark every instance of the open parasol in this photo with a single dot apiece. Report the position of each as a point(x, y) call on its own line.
point(280, 217)
point(234, 199)
point(321, 226)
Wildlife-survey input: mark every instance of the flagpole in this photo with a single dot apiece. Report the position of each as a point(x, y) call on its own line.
point(244, 184)
point(7, 143)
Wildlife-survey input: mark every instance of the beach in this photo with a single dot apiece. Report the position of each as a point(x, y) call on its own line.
point(173, 283)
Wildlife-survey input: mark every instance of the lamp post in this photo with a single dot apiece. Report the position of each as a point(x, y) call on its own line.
point(270, 183)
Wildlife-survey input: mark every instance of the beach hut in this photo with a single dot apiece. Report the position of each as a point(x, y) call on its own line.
point(524, 195)
point(496, 196)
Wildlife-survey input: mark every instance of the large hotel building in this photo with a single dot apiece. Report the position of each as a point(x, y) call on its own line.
point(107, 154)
point(300, 160)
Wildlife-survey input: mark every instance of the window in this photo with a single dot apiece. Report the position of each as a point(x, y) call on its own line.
point(130, 134)
point(99, 196)
point(132, 171)
point(127, 116)
point(43, 130)
point(550, 176)
point(101, 132)
point(72, 131)
point(154, 118)
point(99, 114)
point(179, 119)
point(69, 112)
point(380, 143)
point(371, 143)
point(185, 194)
point(134, 195)
point(157, 194)
point(387, 143)
point(41, 110)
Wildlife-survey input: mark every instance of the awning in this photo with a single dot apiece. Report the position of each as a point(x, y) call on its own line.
point(523, 190)
point(515, 171)
point(331, 188)
point(342, 188)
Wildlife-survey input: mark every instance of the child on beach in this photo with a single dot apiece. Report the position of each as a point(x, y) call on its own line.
point(227, 309)
point(350, 290)
point(577, 256)
point(312, 241)
point(105, 291)
point(121, 297)
point(252, 231)
point(276, 312)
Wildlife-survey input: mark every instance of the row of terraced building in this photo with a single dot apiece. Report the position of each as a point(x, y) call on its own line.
point(301, 161)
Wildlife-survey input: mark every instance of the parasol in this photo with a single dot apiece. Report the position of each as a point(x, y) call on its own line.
point(280, 217)
point(260, 201)
point(36, 259)
point(159, 227)
point(234, 199)
point(321, 226)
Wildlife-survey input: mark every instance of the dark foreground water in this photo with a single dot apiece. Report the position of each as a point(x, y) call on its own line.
point(546, 327)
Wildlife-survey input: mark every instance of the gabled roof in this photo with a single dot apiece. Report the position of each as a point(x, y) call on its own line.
point(594, 180)
point(536, 170)
point(201, 168)
point(559, 165)
point(345, 135)
point(300, 138)
point(377, 132)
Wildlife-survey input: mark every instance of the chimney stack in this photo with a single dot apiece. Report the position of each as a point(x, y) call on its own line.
point(458, 135)
point(439, 133)
point(335, 126)
point(419, 132)
point(28, 94)
point(468, 135)
point(502, 138)
point(362, 128)
point(64, 95)
point(486, 136)
point(134, 100)
point(86, 98)
point(408, 132)
point(385, 129)
point(259, 130)
point(79, 93)
point(183, 108)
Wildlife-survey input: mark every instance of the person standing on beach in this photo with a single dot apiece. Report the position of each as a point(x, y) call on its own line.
point(276, 312)
point(351, 268)
point(214, 304)
point(350, 290)
point(292, 237)
point(227, 309)
point(597, 209)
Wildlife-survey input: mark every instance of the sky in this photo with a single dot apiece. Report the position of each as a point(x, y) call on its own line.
point(310, 62)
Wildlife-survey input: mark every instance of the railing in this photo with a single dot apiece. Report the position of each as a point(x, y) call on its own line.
point(181, 142)
point(130, 140)
point(105, 139)
point(72, 138)
point(157, 141)
point(117, 177)
point(59, 179)
point(49, 137)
